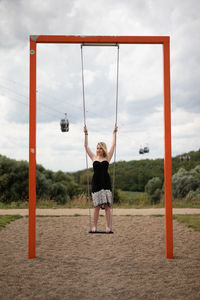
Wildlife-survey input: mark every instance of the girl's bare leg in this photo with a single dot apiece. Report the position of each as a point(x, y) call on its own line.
point(96, 216)
point(107, 211)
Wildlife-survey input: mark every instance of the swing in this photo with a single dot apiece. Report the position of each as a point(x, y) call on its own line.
point(84, 116)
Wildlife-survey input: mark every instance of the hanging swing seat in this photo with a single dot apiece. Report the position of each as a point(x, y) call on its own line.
point(101, 232)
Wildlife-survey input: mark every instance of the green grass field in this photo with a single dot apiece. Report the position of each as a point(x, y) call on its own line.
point(191, 221)
point(127, 199)
point(6, 219)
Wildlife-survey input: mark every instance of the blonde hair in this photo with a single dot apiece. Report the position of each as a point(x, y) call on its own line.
point(104, 147)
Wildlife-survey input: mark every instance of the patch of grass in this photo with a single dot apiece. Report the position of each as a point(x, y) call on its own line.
point(137, 206)
point(49, 216)
point(191, 221)
point(58, 216)
point(132, 199)
point(129, 215)
point(7, 219)
point(158, 215)
point(139, 200)
point(185, 204)
point(14, 205)
point(79, 201)
point(47, 204)
point(128, 199)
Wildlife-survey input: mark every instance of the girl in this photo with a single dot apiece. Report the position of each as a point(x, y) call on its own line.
point(101, 183)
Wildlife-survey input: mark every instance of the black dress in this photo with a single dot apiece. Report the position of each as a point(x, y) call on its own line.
point(101, 184)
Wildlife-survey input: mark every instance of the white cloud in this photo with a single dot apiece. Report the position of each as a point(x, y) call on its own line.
point(185, 131)
point(59, 87)
point(141, 72)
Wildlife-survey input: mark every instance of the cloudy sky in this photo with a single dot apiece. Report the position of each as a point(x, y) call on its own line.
point(59, 89)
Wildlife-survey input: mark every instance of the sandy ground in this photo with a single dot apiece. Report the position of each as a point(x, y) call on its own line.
point(116, 212)
point(72, 264)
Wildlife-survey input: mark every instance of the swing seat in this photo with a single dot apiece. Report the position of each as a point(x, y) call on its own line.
point(101, 232)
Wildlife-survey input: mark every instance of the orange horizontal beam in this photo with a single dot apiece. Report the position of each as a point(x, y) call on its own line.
point(79, 39)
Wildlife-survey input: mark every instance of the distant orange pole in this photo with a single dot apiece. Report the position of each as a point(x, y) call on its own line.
point(167, 161)
point(32, 151)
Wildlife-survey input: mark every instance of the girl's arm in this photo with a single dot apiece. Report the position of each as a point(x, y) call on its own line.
point(110, 153)
point(89, 152)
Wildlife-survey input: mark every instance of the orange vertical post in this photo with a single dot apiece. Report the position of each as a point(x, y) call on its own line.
point(32, 151)
point(167, 160)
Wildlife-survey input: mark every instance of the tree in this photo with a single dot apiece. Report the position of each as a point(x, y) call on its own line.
point(43, 186)
point(193, 196)
point(59, 193)
point(185, 181)
point(116, 198)
point(154, 189)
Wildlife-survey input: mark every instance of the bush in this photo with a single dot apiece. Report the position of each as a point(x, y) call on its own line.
point(185, 181)
point(59, 193)
point(133, 198)
point(116, 198)
point(123, 198)
point(73, 190)
point(154, 190)
point(193, 196)
point(43, 186)
point(13, 180)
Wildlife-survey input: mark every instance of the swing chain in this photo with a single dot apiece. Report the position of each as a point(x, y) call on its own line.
point(86, 157)
point(115, 152)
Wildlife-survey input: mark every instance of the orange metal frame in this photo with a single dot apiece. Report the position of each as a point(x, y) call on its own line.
point(163, 40)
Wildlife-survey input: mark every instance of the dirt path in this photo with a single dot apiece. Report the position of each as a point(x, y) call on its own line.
point(116, 211)
point(72, 264)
